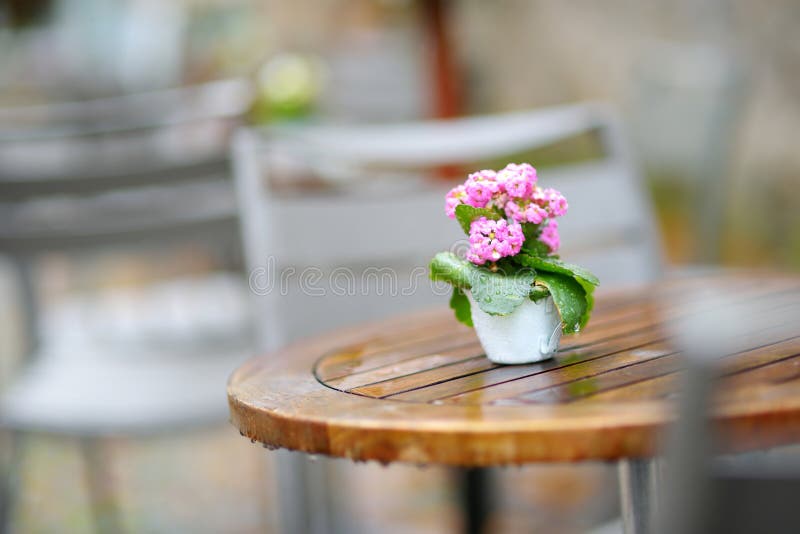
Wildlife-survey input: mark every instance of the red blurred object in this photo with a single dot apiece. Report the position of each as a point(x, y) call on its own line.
point(447, 93)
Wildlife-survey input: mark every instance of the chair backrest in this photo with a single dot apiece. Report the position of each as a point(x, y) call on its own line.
point(117, 171)
point(97, 144)
point(359, 196)
point(93, 172)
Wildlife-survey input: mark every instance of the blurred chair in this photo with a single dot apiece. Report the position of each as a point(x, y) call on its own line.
point(687, 102)
point(321, 203)
point(703, 491)
point(136, 172)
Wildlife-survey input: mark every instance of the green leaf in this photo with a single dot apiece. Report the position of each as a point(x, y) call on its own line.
point(587, 280)
point(459, 303)
point(532, 245)
point(536, 248)
point(552, 265)
point(447, 267)
point(500, 292)
point(538, 293)
point(589, 307)
point(496, 292)
point(466, 214)
point(530, 230)
point(570, 298)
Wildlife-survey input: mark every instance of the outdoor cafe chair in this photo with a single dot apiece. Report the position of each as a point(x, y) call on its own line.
point(140, 173)
point(702, 490)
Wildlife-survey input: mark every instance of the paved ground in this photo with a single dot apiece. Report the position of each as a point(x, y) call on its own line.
point(218, 482)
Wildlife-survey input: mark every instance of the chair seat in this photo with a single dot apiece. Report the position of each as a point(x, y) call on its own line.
point(133, 361)
point(106, 394)
point(190, 314)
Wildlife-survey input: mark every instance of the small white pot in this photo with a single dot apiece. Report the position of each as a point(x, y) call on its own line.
point(530, 333)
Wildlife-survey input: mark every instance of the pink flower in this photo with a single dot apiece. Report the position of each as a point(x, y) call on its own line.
point(480, 187)
point(538, 196)
point(550, 237)
point(556, 202)
point(454, 198)
point(514, 211)
point(491, 240)
point(518, 180)
point(525, 211)
point(512, 191)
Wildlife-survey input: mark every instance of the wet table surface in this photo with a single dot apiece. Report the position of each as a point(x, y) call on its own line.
point(417, 388)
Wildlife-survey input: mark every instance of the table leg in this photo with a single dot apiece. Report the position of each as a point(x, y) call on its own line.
point(303, 494)
point(475, 492)
point(638, 479)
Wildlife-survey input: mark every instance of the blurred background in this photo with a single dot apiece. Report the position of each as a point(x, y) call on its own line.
point(126, 233)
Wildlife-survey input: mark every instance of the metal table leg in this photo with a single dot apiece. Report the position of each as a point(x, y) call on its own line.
point(638, 479)
point(303, 494)
point(475, 498)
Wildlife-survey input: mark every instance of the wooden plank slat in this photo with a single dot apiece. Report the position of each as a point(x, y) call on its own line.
point(383, 352)
point(488, 390)
point(503, 392)
point(397, 367)
point(611, 378)
point(783, 370)
point(433, 376)
point(428, 363)
point(623, 321)
point(409, 336)
point(473, 388)
point(661, 386)
point(358, 364)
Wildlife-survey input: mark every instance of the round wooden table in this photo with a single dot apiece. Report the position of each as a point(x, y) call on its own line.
point(418, 388)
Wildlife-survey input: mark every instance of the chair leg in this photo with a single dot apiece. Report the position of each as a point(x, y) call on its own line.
point(29, 306)
point(638, 480)
point(303, 497)
point(475, 494)
point(10, 482)
point(292, 499)
point(102, 498)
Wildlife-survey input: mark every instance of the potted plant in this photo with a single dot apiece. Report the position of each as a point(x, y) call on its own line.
point(512, 287)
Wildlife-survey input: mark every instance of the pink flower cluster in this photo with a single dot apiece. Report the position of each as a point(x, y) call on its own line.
point(478, 191)
point(490, 240)
point(549, 235)
point(511, 192)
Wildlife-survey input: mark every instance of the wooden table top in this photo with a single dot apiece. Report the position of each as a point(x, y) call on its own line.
point(418, 388)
